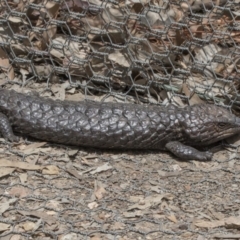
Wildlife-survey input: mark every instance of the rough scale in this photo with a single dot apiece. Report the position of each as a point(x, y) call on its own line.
point(115, 125)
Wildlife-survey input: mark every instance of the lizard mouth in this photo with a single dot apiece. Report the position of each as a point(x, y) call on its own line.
point(221, 135)
point(228, 133)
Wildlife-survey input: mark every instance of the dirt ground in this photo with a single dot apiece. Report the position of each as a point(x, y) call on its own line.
point(51, 191)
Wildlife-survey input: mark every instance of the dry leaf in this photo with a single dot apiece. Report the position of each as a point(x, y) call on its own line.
point(221, 156)
point(23, 177)
point(230, 222)
point(70, 236)
point(91, 156)
point(93, 205)
point(156, 189)
point(42, 215)
point(6, 171)
point(53, 204)
point(5, 206)
point(33, 148)
point(72, 152)
point(96, 237)
point(119, 58)
point(162, 173)
point(4, 227)
point(133, 214)
point(77, 97)
point(19, 191)
point(151, 201)
point(118, 225)
point(172, 218)
point(86, 162)
point(233, 222)
point(99, 192)
point(51, 8)
point(28, 226)
point(175, 168)
point(18, 164)
point(209, 224)
point(193, 97)
point(102, 168)
point(16, 237)
point(227, 236)
point(51, 213)
point(5, 64)
point(200, 237)
point(60, 91)
point(75, 173)
point(217, 215)
point(50, 170)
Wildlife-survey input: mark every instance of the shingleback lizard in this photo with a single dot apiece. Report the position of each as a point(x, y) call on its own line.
point(116, 125)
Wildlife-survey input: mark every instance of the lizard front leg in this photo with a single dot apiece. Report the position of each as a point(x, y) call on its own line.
point(6, 129)
point(186, 152)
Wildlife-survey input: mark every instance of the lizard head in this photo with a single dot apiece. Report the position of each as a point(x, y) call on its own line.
point(209, 123)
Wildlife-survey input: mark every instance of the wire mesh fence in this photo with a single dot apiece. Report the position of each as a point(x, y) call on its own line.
point(146, 49)
point(141, 51)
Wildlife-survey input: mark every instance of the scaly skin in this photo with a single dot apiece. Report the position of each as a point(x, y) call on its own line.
point(115, 125)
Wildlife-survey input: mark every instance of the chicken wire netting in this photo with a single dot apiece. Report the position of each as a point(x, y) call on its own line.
point(147, 52)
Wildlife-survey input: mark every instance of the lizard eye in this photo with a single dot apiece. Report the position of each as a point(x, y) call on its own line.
point(222, 124)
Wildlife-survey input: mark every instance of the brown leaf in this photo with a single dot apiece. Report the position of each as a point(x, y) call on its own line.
point(194, 98)
point(5, 65)
point(96, 237)
point(33, 148)
point(28, 226)
point(99, 192)
point(216, 215)
point(86, 162)
point(15, 237)
point(19, 191)
point(91, 156)
point(134, 214)
point(5, 206)
point(60, 90)
point(230, 222)
point(151, 201)
point(6, 171)
point(74, 173)
point(73, 152)
point(221, 156)
point(47, 218)
point(69, 236)
point(52, 8)
point(93, 205)
point(209, 224)
point(118, 225)
point(4, 227)
point(102, 168)
point(172, 218)
point(18, 164)
point(53, 204)
point(50, 170)
point(23, 177)
point(119, 58)
point(197, 30)
point(233, 222)
point(227, 236)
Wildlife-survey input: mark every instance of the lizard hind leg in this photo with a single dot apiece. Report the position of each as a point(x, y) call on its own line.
point(186, 152)
point(6, 129)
